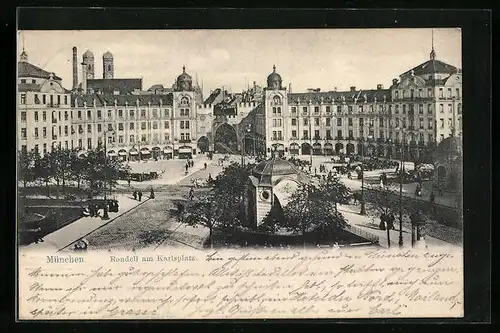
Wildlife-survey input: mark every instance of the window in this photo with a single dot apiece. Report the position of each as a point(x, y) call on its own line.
point(381, 134)
point(131, 126)
point(421, 109)
point(294, 122)
point(66, 115)
point(450, 109)
point(361, 108)
point(316, 121)
point(458, 93)
point(165, 112)
point(429, 123)
point(132, 113)
point(404, 122)
point(459, 108)
point(328, 123)
point(450, 122)
point(99, 115)
point(316, 109)
point(65, 99)
point(390, 109)
point(37, 100)
point(274, 110)
point(421, 120)
point(44, 132)
point(305, 134)
point(381, 121)
point(155, 125)
point(371, 108)
point(89, 143)
point(66, 130)
point(339, 133)
point(99, 128)
point(328, 109)
point(316, 134)
point(396, 109)
point(294, 133)
point(182, 124)
point(89, 128)
point(397, 122)
point(110, 127)
point(371, 123)
point(419, 93)
point(23, 133)
point(404, 108)
point(429, 109)
point(167, 137)
point(23, 116)
point(109, 114)
point(58, 99)
point(120, 139)
point(361, 123)
point(36, 132)
point(349, 122)
point(304, 110)
point(397, 94)
point(441, 95)
point(120, 126)
point(441, 120)
point(280, 135)
point(184, 101)
point(44, 99)
point(167, 124)
point(23, 98)
point(294, 109)
point(305, 121)
point(143, 125)
point(349, 108)
point(441, 108)
point(184, 112)
point(144, 138)
point(80, 129)
point(339, 121)
point(277, 100)
point(89, 114)
point(155, 113)
point(277, 122)
point(328, 134)
point(23, 80)
point(449, 92)
point(143, 113)
point(279, 109)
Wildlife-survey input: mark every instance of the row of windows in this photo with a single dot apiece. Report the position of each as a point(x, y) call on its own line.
point(361, 108)
point(420, 93)
point(44, 100)
point(276, 135)
point(450, 123)
point(328, 122)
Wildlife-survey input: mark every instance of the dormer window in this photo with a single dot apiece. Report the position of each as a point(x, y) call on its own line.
point(277, 100)
point(184, 101)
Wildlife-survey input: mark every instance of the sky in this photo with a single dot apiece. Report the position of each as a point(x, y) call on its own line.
point(233, 59)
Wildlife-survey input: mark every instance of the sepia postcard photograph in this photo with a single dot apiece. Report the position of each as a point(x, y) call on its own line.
point(239, 174)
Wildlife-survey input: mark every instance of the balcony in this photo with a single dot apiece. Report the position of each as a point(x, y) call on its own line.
point(339, 138)
point(184, 141)
point(329, 138)
point(317, 138)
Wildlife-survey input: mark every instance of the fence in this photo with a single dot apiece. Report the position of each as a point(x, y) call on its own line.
point(364, 234)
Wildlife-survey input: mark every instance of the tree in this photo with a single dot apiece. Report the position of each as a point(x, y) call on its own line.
point(204, 212)
point(43, 170)
point(308, 210)
point(62, 163)
point(335, 191)
point(26, 166)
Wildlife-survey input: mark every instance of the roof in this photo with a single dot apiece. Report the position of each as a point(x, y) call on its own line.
point(211, 99)
point(121, 100)
point(25, 69)
point(107, 55)
point(275, 166)
point(336, 96)
point(433, 66)
point(108, 86)
point(450, 146)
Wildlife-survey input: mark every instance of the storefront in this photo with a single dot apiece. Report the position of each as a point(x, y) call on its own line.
point(156, 152)
point(112, 154)
point(185, 152)
point(145, 153)
point(134, 155)
point(294, 149)
point(328, 149)
point(168, 153)
point(122, 153)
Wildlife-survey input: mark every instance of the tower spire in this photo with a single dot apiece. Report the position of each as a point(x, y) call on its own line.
point(433, 53)
point(24, 55)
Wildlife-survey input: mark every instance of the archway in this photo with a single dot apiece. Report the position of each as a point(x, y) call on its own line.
point(350, 149)
point(306, 149)
point(317, 149)
point(441, 175)
point(226, 139)
point(328, 149)
point(203, 144)
point(185, 152)
point(294, 149)
point(338, 148)
point(145, 153)
point(123, 154)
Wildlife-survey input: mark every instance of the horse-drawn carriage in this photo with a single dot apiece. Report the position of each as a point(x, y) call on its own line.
point(145, 176)
point(99, 203)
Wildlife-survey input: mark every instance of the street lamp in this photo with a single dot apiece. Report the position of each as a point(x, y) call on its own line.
point(401, 175)
point(106, 213)
point(363, 208)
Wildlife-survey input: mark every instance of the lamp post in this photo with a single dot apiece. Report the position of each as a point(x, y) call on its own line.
point(363, 208)
point(401, 175)
point(106, 213)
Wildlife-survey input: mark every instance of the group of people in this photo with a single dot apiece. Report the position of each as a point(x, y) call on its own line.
point(387, 221)
point(92, 210)
point(138, 194)
point(189, 164)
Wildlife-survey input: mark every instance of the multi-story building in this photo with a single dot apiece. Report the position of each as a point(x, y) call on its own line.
point(43, 109)
point(419, 110)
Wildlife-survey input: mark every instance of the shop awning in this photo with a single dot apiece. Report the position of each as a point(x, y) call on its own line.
point(185, 150)
point(145, 151)
point(112, 153)
point(122, 152)
point(167, 150)
point(134, 152)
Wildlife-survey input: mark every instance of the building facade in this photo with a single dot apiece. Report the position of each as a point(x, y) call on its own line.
point(419, 110)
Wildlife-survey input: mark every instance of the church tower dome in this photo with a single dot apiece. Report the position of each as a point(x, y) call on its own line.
point(184, 81)
point(107, 65)
point(274, 80)
point(88, 62)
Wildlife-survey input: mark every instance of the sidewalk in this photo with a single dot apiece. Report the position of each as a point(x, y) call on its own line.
point(67, 235)
point(371, 225)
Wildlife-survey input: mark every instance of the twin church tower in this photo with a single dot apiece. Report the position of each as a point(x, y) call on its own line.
point(88, 68)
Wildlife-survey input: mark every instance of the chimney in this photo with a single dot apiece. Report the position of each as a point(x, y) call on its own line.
point(380, 87)
point(394, 81)
point(353, 88)
point(75, 68)
point(84, 78)
point(289, 88)
point(254, 85)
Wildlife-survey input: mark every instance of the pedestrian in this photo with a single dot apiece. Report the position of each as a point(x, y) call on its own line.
point(152, 194)
point(134, 195)
point(210, 178)
point(205, 165)
point(432, 198)
point(192, 163)
point(390, 221)
point(187, 166)
point(140, 195)
point(191, 194)
point(383, 218)
point(128, 182)
point(315, 172)
point(349, 176)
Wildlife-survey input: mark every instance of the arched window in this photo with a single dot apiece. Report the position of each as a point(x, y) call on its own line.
point(277, 100)
point(109, 67)
point(184, 101)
